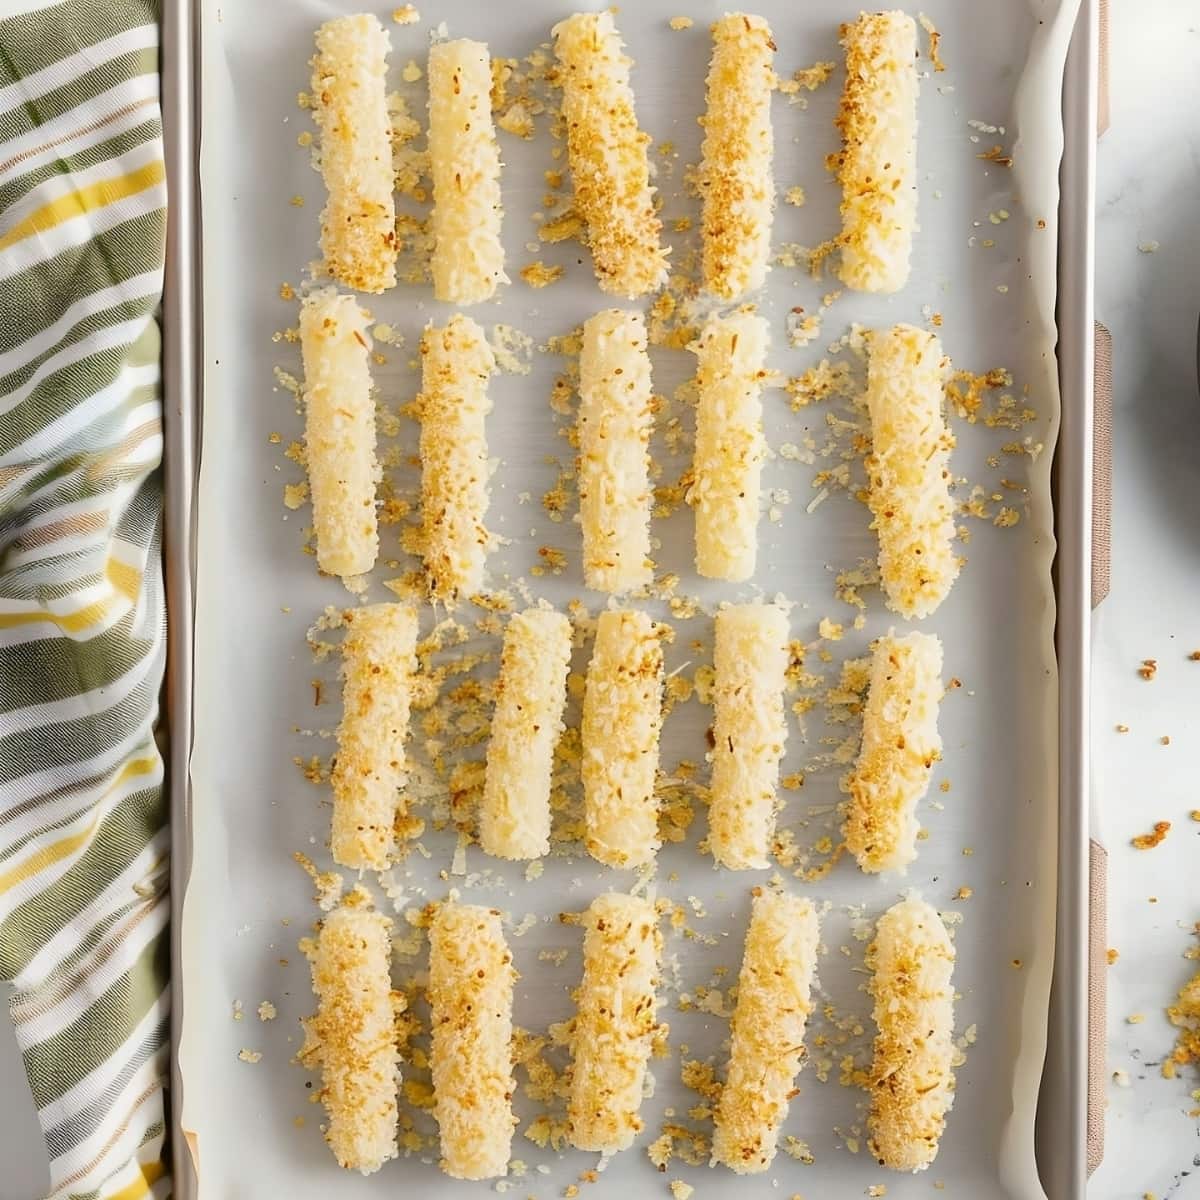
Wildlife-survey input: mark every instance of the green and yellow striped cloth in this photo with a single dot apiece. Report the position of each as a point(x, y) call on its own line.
point(83, 831)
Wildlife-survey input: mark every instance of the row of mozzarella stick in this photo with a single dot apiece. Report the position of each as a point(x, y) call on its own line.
point(352, 1040)
point(621, 724)
point(908, 467)
point(608, 156)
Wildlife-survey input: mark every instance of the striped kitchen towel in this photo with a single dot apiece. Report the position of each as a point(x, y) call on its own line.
point(83, 833)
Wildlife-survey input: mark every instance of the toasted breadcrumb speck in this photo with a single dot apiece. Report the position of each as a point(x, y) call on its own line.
point(406, 14)
point(266, 1011)
point(678, 23)
point(540, 274)
point(678, 1188)
point(1148, 669)
point(1147, 841)
point(249, 1056)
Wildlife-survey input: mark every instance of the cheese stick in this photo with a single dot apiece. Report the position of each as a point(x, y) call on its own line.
point(514, 818)
point(607, 154)
point(750, 658)
point(352, 1037)
point(339, 432)
point(736, 183)
point(730, 446)
point(470, 996)
point(900, 744)
point(622, 720)
point(767, 1047)
point(349, 105)
point(615, 420)
point(378, 663)
point(912, 1077)
point(456, 362)
point(614, 1023)
point(908, 469)
point(877, 165)
point(464, 159)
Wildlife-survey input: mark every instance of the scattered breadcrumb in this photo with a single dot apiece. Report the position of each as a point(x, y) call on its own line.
point(406, 14)
point(249, 1056)
point(1149, 668)
point(935, 39)
point(267, 1011)
point(540, 274)
point(794, 196)
point(679, 1189)
point(1112, 955)
point(678, 23)
point(1147, 841)
point(1148, 247)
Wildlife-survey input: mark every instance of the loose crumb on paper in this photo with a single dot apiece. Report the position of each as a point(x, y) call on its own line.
point(406, 14)
point(1147, 841)
point(678, 23)
point(935, 40)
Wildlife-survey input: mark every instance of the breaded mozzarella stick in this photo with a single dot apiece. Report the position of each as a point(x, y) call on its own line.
point(767, 1046)
point(615, 1022)
point(470, 996)
point(730, 447)
point(339, 432)
point(912, 1077)
point(349, 104)
point(900, 744)
point(464, 158)
point(616, 417)
point(877, 165)
point(378, 664)
point(908, 469)
point(736, 183)
point(750, 658)
point(622, 720)
point(607, 154)
point(456, 362)
point(514, 818)
point(352, 1037)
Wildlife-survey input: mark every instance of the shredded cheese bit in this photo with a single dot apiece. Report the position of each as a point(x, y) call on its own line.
point(900, 744)
point(470, 995)
point(615, 1023)
point(514, 820)
point(339, 432)
point(912, 1077)
point(730, 447)
point(349, 105)
point(876, 166)
point(615, 421)
point(908, 469)
point(622, 719)
point(735, 180)
point(767, 1047)
point(607, 154)
point(352, 1037)
point(378, 663)
point(456, 362)
point(749, 732)
point(468, 257)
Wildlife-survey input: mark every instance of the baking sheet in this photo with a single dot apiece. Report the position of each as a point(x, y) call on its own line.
point(258, 593)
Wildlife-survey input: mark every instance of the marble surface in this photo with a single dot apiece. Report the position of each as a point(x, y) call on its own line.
point(1149, 162)
point(1149, 298)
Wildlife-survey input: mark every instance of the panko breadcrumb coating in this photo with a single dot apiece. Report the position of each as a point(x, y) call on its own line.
point(730, 446)
point(456, 362)
point(773, 1004)
point(378, 664)
point(908, 471)
point(750, 659)
point(349, 105)
point(352, 1036)
point(877, 165)
point(912, 1076)
point(339, 432)
point(607, 154)
point(514, 815)
point(470, 996)
point(900, 744)
point(615, 1022)
point(622, 720)
point(736, 183)
point(616, 416)
point(464, 157)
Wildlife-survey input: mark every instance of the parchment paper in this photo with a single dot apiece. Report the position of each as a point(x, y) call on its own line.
point(991, 812)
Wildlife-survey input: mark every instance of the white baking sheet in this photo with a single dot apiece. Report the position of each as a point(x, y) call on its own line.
point(994, 829)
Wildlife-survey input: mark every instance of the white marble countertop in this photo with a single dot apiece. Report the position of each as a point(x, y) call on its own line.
point(1147, 195)
point(1149, 162)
